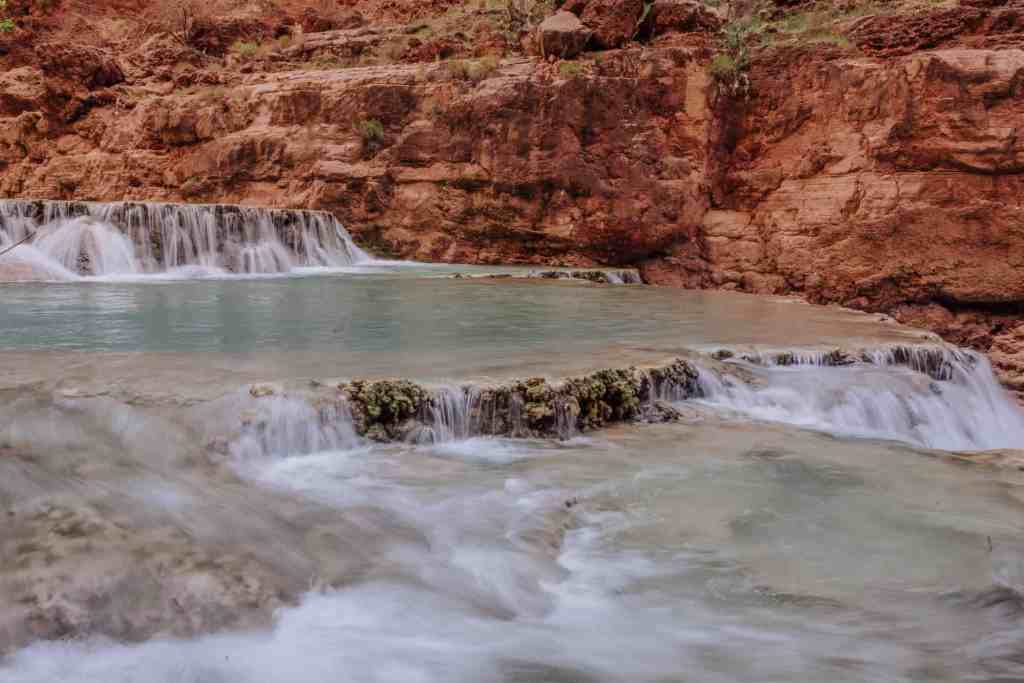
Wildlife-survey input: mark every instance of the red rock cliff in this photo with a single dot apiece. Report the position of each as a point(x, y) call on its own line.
point(873, 157)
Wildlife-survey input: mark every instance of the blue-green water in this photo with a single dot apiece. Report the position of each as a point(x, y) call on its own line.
point(400, 313)
point(720, 548)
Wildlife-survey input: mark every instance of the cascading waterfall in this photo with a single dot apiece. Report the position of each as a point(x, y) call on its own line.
point(87, 246)
point(282, 426)
point(455, 413)
point(26, 261)
point(74, 239)
point(934, 396)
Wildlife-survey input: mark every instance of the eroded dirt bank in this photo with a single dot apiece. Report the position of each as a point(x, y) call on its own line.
point(857, 153)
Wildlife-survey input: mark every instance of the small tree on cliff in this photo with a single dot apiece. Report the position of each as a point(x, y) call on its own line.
point(729, 67)
point(180, 18)
point(522, 15)
point(6, 23)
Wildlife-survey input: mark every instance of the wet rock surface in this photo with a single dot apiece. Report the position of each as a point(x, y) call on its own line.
point(141, 533)
point(387, 410)
point(384, 410)
point(74, 572)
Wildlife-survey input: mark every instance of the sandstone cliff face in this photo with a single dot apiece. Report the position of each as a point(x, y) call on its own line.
point(875, 184)
point(887, 176)
point(889, 185)
point(525, 164)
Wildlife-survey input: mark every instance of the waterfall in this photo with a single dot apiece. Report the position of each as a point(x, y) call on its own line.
point(280, 426)
point(87, 246)
point(455, 413)
point(101, 239)
point(933, 396)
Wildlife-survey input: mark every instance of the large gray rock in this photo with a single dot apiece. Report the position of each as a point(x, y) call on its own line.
point(562, 35)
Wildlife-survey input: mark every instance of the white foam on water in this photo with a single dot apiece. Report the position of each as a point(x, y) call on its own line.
point(491, 578)
point(955, 404)
point(283, 426)
point(487, 450)
point(88, 246)
point(478, 609)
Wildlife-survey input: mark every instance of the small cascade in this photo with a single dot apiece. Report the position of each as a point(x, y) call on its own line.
point(98, 239)
point(567, 414)
point(455, 413)
point(25, 261)
point(267, 256)
point(934, 396)
point(279, 426)
point(935, 360)
point(87, 246)
point(460, 413)
point(671, 385)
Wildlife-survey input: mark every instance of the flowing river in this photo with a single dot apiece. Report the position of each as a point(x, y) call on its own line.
point(189, 497)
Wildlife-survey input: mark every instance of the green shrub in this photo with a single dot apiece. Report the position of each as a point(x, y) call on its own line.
point(729, 67)
point(326, 60)
point(481, 69)
point(458, 70)
point(372, 130)
point(570, 69)
point(519, 16)
point(245, 50)
point(723, 68)
point(181, 19)
point(6, 24)
point(829, 37)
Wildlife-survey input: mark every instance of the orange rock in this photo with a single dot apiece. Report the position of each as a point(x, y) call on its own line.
point(614, 22)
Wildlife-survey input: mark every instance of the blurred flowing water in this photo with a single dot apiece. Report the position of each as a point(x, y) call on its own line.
point(802, 523)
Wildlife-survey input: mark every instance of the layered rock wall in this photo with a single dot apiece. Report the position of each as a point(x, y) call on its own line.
point(881, 170)
point(524, 165)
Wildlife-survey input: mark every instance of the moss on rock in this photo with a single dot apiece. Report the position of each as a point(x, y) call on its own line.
point(389, 410)
point(380, 409)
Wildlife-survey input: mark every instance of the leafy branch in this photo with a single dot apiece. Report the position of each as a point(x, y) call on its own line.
point(6, 23)
point(730, 66)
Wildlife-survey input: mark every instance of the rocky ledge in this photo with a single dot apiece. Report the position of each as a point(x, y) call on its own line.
point(385, 410)
point(389, 410)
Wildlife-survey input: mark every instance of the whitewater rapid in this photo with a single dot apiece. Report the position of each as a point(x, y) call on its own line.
point(190, 493)
point(938, 397)
point(932, 396)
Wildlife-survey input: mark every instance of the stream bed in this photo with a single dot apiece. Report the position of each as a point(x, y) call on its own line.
point(180, 506)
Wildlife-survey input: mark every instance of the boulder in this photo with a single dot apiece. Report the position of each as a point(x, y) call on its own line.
point(86, 66)
point(574, 6)
point(562, 35)
point(681, 16)
point(614, 22)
